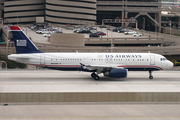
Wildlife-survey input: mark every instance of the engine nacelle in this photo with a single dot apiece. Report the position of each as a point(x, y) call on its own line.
point(116, 73)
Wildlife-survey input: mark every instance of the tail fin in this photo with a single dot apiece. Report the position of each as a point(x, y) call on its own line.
point(22, 43)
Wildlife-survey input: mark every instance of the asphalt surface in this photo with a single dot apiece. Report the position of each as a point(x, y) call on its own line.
point(91, 112)
point(18, 80)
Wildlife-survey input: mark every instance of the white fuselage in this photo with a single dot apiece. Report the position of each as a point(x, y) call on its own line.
point(130, 61)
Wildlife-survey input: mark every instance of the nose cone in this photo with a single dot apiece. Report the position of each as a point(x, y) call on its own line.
point(169, 65)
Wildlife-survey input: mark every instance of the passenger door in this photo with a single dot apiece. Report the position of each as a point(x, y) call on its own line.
point(152, 60)
point(42, 59)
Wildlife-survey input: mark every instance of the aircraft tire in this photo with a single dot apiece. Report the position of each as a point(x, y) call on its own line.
point(96, 77)
point(150, 77)
point(93, 75)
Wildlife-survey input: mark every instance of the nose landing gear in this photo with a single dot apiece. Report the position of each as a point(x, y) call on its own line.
point(95, 76)
point(150, 75)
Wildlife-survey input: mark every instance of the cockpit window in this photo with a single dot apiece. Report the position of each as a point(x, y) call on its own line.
point(163, 59)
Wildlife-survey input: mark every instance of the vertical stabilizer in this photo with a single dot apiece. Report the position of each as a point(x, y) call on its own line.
point(22, 43)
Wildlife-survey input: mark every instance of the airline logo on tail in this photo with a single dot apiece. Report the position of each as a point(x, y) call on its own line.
point(21, 42)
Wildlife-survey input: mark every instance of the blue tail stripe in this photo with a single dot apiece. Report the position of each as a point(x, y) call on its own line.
point(28, 48)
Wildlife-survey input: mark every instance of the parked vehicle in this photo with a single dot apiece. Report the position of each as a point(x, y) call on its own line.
point(130, 32)
point(137, 34)
point(102, 26)
point(37, 31)
point(116, 29)
point(100, 33)
point(42, 31)
point(90, 28)
point(83, 31)
point(30, 26)
point(176, 62)
point(109, 28)
point(57, 31)
point(77, 30)
point(33, 27)
point(47, 34)
point(121, 31)
point(52, 30)
point(93, 35)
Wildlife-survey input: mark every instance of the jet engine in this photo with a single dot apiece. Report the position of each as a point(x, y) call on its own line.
point(116, 73)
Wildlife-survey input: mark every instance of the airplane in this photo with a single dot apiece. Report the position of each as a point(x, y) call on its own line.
point(113, 65)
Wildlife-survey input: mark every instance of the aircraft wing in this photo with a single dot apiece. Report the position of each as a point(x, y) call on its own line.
point(100, 67)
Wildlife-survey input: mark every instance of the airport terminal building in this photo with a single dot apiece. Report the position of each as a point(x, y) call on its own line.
point(53, 11)
point(86, 12)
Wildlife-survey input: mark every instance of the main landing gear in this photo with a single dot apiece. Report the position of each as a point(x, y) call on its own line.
point(150, 75)
point(95, 76)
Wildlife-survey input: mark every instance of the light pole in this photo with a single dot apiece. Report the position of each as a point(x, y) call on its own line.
point(170, 26)
point(103, 22)
point(157, 31)
point(111, 40)
point(143, 25)
point(107, 32)
point(149, 30)
point(1, 21)
point(26, 30)
point(17, 19)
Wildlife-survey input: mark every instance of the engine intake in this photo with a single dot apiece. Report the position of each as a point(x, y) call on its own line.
point(116, 73)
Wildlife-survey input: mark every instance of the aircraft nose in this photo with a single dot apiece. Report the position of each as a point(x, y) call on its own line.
point(170, 65)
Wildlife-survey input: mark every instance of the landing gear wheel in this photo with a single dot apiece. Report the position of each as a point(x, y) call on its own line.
point(150, 77)
point(93, 75)
point(96, 77)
